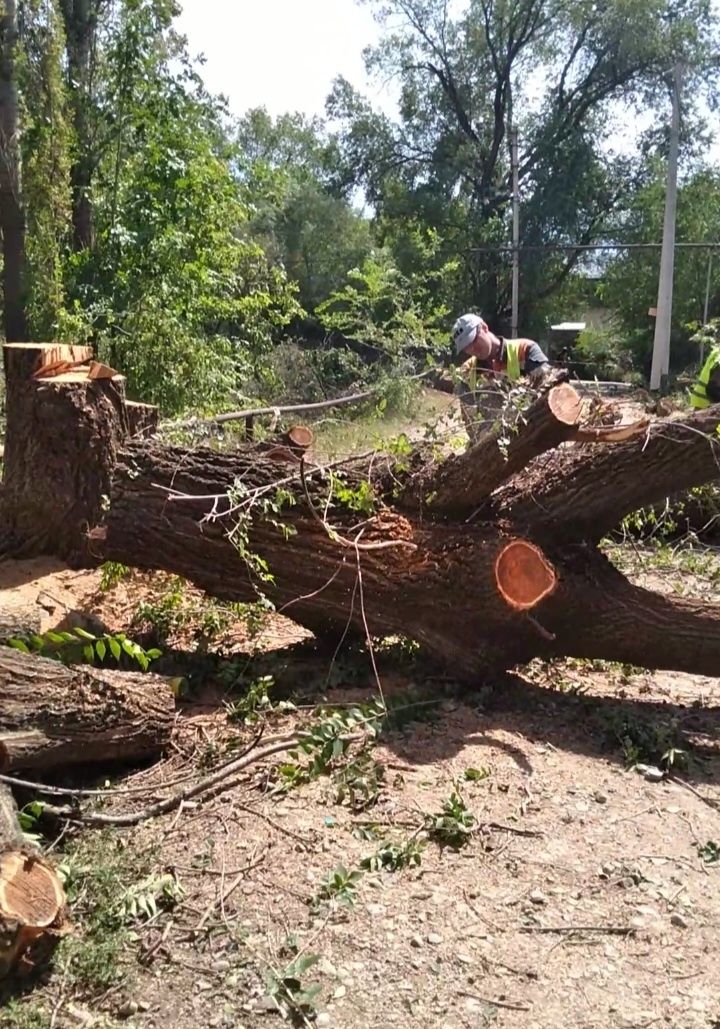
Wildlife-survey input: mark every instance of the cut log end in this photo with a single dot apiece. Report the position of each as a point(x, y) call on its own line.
point(565, 404)
point(32, 911)
point(523, 575)
point(299, 437)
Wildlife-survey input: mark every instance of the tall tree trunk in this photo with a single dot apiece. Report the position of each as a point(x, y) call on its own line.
point(12, 213)
point(80, 17)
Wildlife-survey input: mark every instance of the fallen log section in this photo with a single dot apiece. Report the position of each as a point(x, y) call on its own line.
point(53, 717)
point(488, 558)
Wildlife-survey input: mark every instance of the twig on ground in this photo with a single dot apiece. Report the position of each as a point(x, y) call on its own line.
point(510, 1005)
point(607, 930)
point(225, 893)
point(217, 782)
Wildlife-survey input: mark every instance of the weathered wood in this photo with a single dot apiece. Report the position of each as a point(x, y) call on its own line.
point(142, 419)
point(18, 620)
point(61, 439)
point(32, 899)
point(584, 493)
point(52, 716)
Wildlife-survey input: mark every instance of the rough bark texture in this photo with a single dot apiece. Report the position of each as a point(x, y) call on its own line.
point(52, 716)
point(18, 620)
point(586, 491)
point(500, 567)
point(62, 438)
point(12, 213)
point(32, 900)
point(446, 593)
point(464, 481)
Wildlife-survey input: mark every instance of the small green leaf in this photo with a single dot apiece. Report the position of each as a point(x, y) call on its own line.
point(101, 649)
point(88, 653)
point(20, 645)
point(84, 635)
point(115, 648)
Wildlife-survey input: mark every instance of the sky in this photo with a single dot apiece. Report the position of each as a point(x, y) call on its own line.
point(281, 54)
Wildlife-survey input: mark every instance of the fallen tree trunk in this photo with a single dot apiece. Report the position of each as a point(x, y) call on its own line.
point(52, 716)
point(488, 558)
point(495, 591)
point(32, 899)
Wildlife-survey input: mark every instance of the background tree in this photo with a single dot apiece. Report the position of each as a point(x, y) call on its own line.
point(556, 71)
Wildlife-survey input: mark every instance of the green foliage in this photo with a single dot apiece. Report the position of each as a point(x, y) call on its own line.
point(112, 573)
point(454, 825)
point(359, 782)
point(709, 852)
point(652, 743)
point(98, 873)
point(323, 744)
point(338, 890)
point(285, 167)
point(295, 1000)
point(393, 857)
point(629, 284)
point(255, 703)
point(81, 645)
point(393, 312)
point(355, 498)
point(443, 163)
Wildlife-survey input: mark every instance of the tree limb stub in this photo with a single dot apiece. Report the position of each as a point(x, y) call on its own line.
point(462, 482)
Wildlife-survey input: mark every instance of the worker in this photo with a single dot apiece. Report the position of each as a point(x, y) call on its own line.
point(491, 353)
point(490, 356)
point(706, 390)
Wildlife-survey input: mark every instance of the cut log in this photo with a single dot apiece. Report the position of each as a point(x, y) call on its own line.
point(488, 559)
point(52, 716)
point(32, 899)
point(463, 593)
point(586, 492)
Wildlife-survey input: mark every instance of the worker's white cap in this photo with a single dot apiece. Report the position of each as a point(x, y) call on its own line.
point(464, 329)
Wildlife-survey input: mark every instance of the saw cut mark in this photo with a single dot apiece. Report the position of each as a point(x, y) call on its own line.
point(565, 404)
point(523, 575)
point(30, 892)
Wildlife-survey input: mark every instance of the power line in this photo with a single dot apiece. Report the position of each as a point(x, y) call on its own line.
point(569, 247)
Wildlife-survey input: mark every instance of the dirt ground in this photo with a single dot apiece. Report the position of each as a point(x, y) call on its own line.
point(585, 893)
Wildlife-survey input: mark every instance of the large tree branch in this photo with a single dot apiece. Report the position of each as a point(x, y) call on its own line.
point(462, 482)
point(584, 495)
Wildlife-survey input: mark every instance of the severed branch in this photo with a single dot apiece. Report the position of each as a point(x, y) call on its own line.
point(464, 481)
point(575, 498)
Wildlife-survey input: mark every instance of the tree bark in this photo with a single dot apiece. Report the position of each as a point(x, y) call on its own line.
point(80, 18)
point(63, 434)
point(585, 492)
point(12, 213)
point(32, 899)
point(52, 716)
point(454, 586)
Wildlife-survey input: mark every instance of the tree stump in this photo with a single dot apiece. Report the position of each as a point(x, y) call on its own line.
point(62, 437)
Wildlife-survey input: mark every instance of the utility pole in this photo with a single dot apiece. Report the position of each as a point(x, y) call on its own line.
point(515, 233)
point(661, 343)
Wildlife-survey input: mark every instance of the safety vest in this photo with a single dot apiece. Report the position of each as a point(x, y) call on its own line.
point(698, 394)
point(512, 358)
